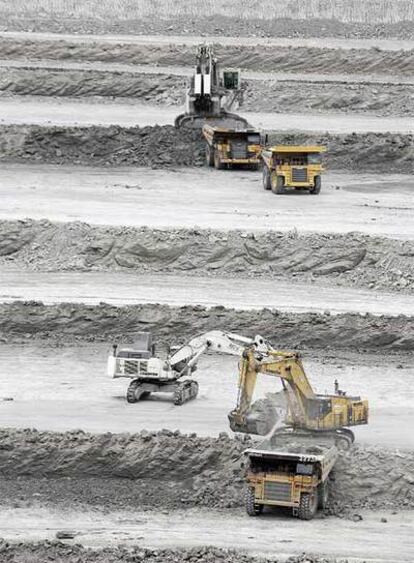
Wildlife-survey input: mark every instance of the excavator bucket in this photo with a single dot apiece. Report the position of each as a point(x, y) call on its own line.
point(197, 121)
point(252, 423)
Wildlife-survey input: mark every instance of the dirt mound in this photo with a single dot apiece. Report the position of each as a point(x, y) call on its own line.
point(195, 471)
point(290, 26)
point(63, 553)
point(78, 322)
point(348, 260)
point(153, 88)
point(155, 146)
point(266, 58)
point(269, 96)
point(166, 146)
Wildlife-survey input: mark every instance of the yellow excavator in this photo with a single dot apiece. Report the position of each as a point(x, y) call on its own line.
point(307, 412)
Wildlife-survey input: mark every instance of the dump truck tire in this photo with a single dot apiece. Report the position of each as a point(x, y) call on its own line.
point(252, 508)
point(343, 443)
point(323, 495)
point(209, 156)
point(308, 506)
point(266, 179)
point(218, 165)
point(277, 184)
point(317, 186)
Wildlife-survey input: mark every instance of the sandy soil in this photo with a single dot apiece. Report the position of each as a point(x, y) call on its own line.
point(384, 44)
point(72, 112)
point(130, 289)
point(367, 203)
point(368, 540)
point(64, 379)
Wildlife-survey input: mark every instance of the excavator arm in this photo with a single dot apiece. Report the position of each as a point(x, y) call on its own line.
point(306, 410)
point(285, 365)
point(215, 341)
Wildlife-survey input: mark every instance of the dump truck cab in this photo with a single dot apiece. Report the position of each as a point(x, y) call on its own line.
point(291, 471)
point(227, 147)
point(292, 166)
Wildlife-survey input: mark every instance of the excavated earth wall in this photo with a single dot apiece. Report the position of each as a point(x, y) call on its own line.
point(31, 20)
point(266, 58)
point(166, 146)
point(167, 89)
point(66, 323)
point(60, 552)
point(351, 259)
point(196, 471)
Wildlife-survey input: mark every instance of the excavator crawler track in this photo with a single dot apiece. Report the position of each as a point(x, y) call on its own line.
point(185, 391)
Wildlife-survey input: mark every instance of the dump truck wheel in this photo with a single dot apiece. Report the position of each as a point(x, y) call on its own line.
point(252, 508)
point(209, 156)
point(308, 506)
point(218, 165)
point(277, 184)
point(266, 178)
point(317, 186)
point(323, 495)
point(134, 394)
point(342, 443)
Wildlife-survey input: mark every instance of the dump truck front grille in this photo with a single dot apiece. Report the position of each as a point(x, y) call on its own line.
point(299, 175)
point(277, 491)
point(238, 149)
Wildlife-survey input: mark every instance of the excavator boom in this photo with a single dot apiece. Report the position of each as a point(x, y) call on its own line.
point(307, 410)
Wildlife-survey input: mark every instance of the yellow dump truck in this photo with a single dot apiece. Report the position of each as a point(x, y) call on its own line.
point(291, 471)
point(227, 147)
point(292, 166)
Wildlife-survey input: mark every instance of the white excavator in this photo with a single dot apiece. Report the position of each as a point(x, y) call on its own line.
point(151, 374)
point(212, 93)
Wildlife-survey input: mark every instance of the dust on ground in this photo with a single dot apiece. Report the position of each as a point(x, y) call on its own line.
point(351, 260)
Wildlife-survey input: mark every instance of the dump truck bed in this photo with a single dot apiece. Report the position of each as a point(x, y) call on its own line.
point(296, 149)
point(312, 449)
